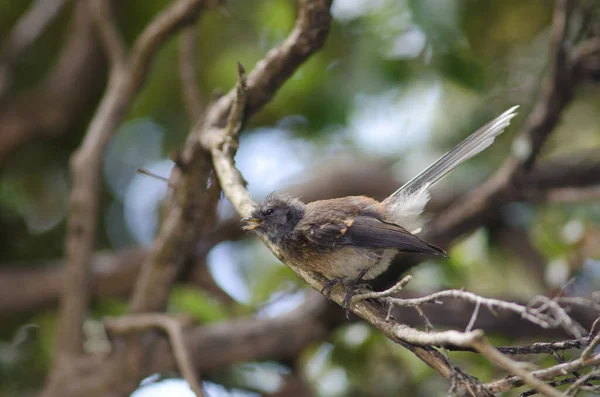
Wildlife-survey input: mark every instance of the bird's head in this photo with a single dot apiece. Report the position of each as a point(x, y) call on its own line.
point(275, 216)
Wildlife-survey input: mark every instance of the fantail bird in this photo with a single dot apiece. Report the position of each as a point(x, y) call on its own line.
point(353, 238)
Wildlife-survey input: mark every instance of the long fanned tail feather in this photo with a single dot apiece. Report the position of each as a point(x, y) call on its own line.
point(474, 144)
point(409, 201)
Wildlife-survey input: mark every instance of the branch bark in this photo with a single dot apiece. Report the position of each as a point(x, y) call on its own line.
point(124, 82)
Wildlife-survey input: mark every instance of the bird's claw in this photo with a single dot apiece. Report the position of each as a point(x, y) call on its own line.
point(330, 284)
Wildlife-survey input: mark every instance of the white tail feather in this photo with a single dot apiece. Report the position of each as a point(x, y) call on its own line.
point(407, 203)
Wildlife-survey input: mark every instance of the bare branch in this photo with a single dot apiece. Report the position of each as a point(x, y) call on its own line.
point(511, 382)
point(307, 37)
point(170, 20)
point(107, 29)
point(513, 367)
point(535, 316)
point(579, 383)
point(172, 327)
point(124, 84)
point(589, 350)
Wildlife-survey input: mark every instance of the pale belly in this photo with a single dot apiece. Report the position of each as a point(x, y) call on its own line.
point(350, 261)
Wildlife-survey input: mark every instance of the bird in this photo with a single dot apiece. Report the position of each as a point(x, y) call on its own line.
point(354, 238)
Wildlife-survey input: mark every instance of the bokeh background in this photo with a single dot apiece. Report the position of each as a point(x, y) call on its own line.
point(397, 84)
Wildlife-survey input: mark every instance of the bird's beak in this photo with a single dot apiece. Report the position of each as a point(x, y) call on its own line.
point(251, 223)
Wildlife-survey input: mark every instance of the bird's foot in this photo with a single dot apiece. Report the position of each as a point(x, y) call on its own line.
point(330, 284)
point(351, 289)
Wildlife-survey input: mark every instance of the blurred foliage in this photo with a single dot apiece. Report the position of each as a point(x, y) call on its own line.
point(467, 60)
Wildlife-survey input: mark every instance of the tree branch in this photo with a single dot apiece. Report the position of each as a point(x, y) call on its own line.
point(86, 163)
point(172, 327)
point(511, 382)
point(109, 34)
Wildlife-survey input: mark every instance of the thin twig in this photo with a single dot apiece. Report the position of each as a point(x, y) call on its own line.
point(546, 373)
point(375, 295)
point(473, 317)
point(589, 350)
point(554, 383)
point(574, 389)
point(491, 303)
point(513, 367)
point(172, 327)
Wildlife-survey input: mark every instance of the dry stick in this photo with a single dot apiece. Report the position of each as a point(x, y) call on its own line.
point(111, 39)
point(511, 382)
point(574, 389)
point(587, 352)
point(124, 83)
point(543, 347)
point(172, 327)
point(554, 383)
point(473, 317)
point(490, 303)
point(513, 367)
point(474, 339)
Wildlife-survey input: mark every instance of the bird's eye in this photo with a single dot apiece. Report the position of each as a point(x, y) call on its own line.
point(269, 211)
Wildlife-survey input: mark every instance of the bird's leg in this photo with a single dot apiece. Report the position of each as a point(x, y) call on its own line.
point(330, 284)
point(351, 288)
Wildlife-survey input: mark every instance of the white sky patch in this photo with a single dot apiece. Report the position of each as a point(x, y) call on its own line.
point(180, 388)
point(285, 304)
point(407, 45)
point(391, 122)
point(269, 157)
point(334, 382)
point(347, 10)
point(165, 388)
point(224, 268)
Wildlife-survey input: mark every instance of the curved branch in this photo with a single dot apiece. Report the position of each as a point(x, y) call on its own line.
point(109, 34)
point(123, 85)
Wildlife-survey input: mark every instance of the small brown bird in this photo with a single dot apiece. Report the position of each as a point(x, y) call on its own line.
point(353, 238)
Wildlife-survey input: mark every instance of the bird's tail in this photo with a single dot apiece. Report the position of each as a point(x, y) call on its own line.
point(412, 197)
point(474, 144)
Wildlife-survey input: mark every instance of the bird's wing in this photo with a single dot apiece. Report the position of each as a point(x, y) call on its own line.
point(369, 232)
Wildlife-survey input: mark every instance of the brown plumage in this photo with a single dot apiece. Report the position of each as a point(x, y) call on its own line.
point(353, 238)
point(341, 237)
